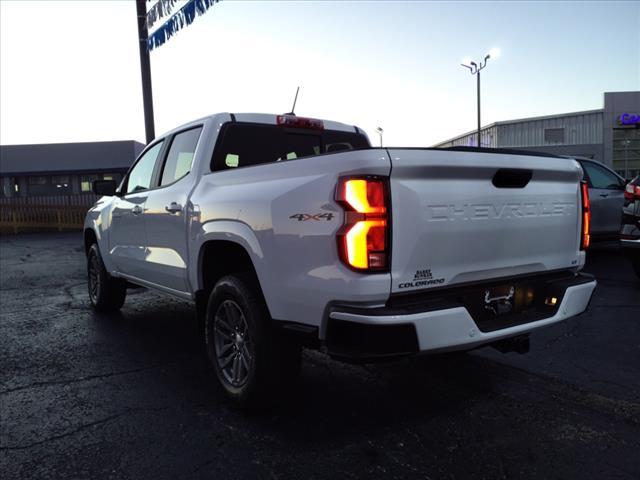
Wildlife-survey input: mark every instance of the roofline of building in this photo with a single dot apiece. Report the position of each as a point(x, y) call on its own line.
point(474, 131)
point(521, 120)
point(40, 173)
point(546, 117)
point(67, 143)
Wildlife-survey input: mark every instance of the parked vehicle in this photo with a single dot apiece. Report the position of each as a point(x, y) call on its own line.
point(606, 194)
point(630, 230)
point(289, 231)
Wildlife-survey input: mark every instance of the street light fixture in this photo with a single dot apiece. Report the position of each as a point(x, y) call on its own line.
point(475, 68)
point(380, 132)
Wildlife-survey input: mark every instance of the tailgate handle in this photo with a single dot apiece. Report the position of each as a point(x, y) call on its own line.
point(512, 178)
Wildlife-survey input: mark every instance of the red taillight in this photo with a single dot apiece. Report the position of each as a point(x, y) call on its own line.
point(363, 240)
point(586, 217)
point(299, 122)
point(631, 192)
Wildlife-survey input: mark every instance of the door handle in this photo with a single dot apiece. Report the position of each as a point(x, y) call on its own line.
point(137, 210)
point(173, 208)
point(604, 195)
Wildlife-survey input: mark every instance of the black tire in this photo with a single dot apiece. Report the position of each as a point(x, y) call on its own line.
point(106, 293)
point(253, 361)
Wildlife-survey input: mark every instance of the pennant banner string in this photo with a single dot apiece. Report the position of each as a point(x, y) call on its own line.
point(182, 18)
point(159, 10)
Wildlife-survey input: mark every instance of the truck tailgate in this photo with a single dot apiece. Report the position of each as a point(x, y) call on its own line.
point(460, 217)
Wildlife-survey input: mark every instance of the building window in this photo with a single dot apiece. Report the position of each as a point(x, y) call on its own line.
point(554, 135)
point(38, 185)
point(61, 184)
point(54, 185)
point(86, 182)
point(5, 191)
point(112, 176)
point(626, 151)
point(37, 180)
point(60, 181)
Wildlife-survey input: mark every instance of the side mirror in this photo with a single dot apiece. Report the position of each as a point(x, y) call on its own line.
point(104, 187)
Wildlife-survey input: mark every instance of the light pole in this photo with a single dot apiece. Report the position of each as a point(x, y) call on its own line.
point(380, 132)
point(475, 68)
point(145, 70)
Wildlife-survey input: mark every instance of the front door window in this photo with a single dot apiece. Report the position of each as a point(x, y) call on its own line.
point(141, 175)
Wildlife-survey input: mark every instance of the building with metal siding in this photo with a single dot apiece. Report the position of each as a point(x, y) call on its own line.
point(62, 168)
point(598, 134)
point(580, 128)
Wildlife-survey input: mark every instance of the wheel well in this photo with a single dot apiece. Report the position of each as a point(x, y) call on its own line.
point(89, 239)
point(219, 258)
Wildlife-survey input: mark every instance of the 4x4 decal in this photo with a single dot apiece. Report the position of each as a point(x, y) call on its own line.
point(303, 217)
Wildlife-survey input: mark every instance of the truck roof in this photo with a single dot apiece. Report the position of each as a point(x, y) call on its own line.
point(265, 118)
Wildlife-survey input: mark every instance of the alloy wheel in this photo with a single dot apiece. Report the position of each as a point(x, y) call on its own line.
point(94, 278)
point(233, 345)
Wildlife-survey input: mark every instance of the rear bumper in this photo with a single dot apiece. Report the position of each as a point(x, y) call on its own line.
point(359, 336)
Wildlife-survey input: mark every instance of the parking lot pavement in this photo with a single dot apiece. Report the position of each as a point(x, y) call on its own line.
point(130, 395)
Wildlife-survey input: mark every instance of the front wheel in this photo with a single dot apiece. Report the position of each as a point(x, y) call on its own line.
point(106, 293)
point(252, 361)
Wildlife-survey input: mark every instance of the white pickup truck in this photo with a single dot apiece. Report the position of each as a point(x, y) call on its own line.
point(288, 231)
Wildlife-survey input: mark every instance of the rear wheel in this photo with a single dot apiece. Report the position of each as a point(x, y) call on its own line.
point(252, 361)
point(106, 293)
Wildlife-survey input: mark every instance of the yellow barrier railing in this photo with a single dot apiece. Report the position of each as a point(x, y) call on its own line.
point(21, 218)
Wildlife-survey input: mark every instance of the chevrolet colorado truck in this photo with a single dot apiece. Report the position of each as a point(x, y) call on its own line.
point(288, 231)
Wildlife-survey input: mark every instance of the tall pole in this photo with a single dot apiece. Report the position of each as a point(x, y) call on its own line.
point(479, 144)
point(474, 68)
point(380, 131)
point(145, 70)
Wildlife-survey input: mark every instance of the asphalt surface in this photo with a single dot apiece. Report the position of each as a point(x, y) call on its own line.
point(131, 396)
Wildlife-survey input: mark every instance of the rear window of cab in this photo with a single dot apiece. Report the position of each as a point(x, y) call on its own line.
point(247, 144)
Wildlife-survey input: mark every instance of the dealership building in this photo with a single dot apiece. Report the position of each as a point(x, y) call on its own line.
point(610, 135)
point(62, 168)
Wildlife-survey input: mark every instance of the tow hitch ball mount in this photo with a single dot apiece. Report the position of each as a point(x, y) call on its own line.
point(501, 304)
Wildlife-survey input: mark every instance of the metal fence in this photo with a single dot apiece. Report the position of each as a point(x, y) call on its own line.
point(40, 213)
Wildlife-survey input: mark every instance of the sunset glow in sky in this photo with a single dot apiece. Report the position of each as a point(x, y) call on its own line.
point(70, 70)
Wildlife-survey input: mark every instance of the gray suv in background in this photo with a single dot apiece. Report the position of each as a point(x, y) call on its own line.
point(606, 194)
point(630, 229)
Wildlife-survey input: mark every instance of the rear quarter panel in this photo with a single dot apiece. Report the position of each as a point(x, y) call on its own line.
point(296, 260)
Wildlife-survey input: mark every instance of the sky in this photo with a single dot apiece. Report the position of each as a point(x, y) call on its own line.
point(70, 72)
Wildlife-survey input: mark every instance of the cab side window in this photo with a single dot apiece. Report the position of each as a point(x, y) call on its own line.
point(180, 156)
point(141, 174)
point(600, 177)
point(243, 145)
